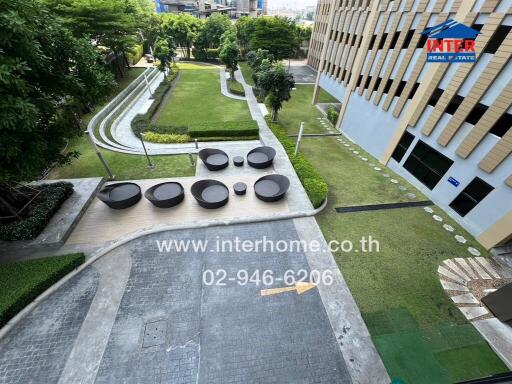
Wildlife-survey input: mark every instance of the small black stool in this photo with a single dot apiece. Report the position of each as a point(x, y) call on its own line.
point(238, 161)
point(240, 189)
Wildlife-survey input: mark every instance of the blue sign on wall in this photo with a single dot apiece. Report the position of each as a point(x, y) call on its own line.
point(454, 182)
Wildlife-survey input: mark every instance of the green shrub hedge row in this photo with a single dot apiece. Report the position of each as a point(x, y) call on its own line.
point(166, 138)
point(22, 282)
point(38, 213)
point(236, 88)
point(136, 55)
point(211, 54)
point(313, 182)
point(236, 129)
point(142, 122)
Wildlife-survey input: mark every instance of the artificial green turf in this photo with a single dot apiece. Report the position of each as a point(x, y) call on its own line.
point(124, 167)
point(196, 98)
point(22, 282)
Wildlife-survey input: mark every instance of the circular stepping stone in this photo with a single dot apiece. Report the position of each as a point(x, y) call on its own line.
point(437, 218)
point(449, 228)
point(411, 196)
point(371, 165)
point(394, 181)
point(364, 159)
point(340, 140)
point(377, 169)
point(402, 188)
point(460, 239)
point(386, 175)
point(428, 210)
point(346, 145)
point(474, 251)
point(355, 152)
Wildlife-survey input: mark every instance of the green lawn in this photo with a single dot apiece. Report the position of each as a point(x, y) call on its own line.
point(125, 167)
point(247, 73)
point(396, 289)
point(22, 282)
point(196, 98)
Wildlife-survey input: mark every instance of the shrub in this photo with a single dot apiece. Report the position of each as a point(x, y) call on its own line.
point(166, 138)
point(236, 88)
point(38, 213)
point(332, 114)
point(136, 54)
point(22, 282)
point(313, 182)
point(210, 54)
point(235, 129)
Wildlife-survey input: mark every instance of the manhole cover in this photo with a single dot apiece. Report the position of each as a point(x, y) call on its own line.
point(154, 334)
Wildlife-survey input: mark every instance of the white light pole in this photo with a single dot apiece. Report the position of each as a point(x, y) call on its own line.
point(299, 138)
point(150, 164)
point(149, 88)
point(100, 156)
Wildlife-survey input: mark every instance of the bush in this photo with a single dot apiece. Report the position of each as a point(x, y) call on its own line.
point(22, 282)
point(210, 54)
point(313, 182)
point(332, 114)
point(236, 129)
point(166, 138)
point(236, 88)
point(38, 213)
point(136, 55)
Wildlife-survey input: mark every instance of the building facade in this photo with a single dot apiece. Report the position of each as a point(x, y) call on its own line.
point(445, 127)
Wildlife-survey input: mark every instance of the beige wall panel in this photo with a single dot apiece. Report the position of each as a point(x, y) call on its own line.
point(509, 181)
point(498, 153)
point(498, 233)
point(357, 41)
point(486, 122)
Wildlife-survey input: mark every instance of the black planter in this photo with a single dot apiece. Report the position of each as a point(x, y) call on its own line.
point(210, 194)
point(121, 195)
point(271, 188)
point(261, 158)
point(214, 159)
point(166, 195)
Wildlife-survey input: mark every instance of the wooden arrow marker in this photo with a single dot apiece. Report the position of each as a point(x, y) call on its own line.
point(299, 287)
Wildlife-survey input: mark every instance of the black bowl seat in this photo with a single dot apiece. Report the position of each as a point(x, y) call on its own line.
point(120, 195)
point(271, 188)
point(261, 157)
point(166, 195)
point(210, 194)
point(214, 159)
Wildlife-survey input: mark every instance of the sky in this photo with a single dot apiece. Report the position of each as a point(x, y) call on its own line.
point(291, 4)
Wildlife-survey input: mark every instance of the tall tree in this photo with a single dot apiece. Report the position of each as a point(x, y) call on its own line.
point(229, 51)
point(165, 52)
point(47, 76)
point(244, 30)
point(214, 27)
point(183, 28)
point(278, 84)
point(275, 34)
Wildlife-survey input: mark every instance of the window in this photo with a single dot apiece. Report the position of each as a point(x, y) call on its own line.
point(471, 196)
point(427, 164)
point(502, 125)
point(403, 145)
point(497, 39)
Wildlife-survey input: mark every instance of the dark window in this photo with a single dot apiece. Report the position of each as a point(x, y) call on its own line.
point(435, 97)
point(403, 146)
point(422, 41)
point(368, 79)
point(388, 86)
point(408, 38)
point(359, 80)
point(414, 89)
point(427, 164)
point(395, 39)
point(377, 83)
point(372, 42)
point(502, 125)
point(454, 104)
point(476, 113)
point(496, 39)
point(383, 40)
point(400, 88)
point(471, 196)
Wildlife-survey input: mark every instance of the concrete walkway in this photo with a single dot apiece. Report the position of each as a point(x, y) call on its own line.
point(141, 314)
point(224, 87)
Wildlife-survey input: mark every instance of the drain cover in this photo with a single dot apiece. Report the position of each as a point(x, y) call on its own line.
point(154, 334)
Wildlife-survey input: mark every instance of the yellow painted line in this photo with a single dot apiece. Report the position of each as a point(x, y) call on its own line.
point(300, 288)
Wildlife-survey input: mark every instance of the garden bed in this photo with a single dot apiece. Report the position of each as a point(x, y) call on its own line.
point(22, 282)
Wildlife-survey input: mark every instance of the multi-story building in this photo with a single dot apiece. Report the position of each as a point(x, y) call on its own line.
point(445, 127)
point(204, 8)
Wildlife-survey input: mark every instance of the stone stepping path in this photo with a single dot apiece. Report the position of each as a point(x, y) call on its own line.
point(458, 275)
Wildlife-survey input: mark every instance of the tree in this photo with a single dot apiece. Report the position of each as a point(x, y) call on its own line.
point(277, 35)
point(229, 51)
point(165, 52)
point(47, 76)
point(255, 58)
point(213, 29)
point(244, 31)
point(278, 84)
point(183, 28)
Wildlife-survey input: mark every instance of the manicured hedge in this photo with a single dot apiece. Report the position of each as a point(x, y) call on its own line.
point(210, 54)
point(142, 122)
point(38, 213)
point(21, 282)
point(166, 138)
point(313, 182)
point(236, 88)
point(332, 114)
point(236, 129)
point(136, 55)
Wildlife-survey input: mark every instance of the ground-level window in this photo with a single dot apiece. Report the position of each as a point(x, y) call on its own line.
point(471, 196)
point(403, 145)
point(427, 164)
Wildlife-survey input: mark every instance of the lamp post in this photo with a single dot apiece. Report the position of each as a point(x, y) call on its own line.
point(100, 156)
point(149, 88)
point(299, 138)
point(150, 164)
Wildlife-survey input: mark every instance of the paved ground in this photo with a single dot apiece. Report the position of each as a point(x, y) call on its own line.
point(302, 73)
point(153, 320)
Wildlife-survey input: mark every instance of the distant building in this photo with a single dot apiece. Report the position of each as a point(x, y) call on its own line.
point(204, 8)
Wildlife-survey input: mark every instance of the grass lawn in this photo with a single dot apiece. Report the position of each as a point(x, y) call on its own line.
point(397, 289)
point(124, 167)
point(246, 72)
point(22, 282)
point(196, 98)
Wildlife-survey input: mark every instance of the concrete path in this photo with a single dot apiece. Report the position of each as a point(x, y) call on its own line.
point(224, 87)
point(142, 314)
